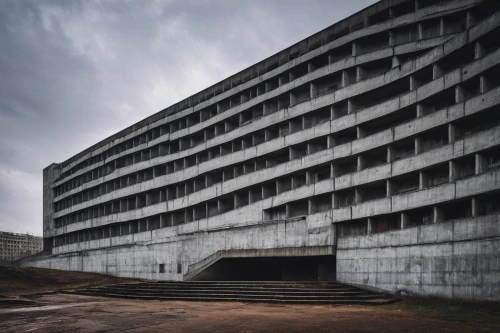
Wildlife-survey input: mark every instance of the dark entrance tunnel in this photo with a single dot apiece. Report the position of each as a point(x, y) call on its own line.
point(309, 268)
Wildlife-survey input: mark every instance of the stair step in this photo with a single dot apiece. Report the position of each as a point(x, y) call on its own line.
point(227, 294)
point(313, 300)
point(261, 292)
point(145, 289)
point(242, 291)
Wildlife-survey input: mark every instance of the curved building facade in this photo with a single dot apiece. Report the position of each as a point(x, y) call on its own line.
point(367, 153)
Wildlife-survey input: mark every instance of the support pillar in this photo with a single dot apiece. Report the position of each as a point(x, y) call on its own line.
point(475, 206)
point(438, 215)
point(454, 171)
point(481, 163)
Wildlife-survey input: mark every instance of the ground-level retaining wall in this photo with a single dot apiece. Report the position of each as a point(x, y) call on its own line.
point(457, 259)
point(141, 255)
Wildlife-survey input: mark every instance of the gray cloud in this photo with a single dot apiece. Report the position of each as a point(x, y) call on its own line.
point(75, 72)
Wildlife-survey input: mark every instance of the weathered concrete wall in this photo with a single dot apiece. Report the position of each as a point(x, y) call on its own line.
point(139, 255)
point(456, 259)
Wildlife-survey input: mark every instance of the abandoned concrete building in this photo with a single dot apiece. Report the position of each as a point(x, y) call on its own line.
point(368, 153)
point(14, 246)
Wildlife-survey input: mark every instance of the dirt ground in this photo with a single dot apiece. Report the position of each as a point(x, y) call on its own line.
point(56, 312)
point(28, 280)
point(72, 313)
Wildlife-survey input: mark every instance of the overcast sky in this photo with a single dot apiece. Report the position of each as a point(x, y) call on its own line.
point(74, 72)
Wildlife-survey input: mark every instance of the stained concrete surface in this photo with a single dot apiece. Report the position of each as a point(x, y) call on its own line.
point(71, 313)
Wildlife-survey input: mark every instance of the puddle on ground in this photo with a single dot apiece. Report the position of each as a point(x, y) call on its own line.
point(39, 308)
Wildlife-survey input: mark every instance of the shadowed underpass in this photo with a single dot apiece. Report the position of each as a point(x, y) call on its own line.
point(311, 268)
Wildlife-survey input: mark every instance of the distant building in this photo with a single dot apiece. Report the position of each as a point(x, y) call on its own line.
point(14, 246)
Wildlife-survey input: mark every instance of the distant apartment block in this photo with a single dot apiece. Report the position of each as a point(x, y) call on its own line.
point(15, 246)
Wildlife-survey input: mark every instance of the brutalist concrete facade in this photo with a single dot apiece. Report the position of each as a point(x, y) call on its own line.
point(375, 142)
point(14, 246)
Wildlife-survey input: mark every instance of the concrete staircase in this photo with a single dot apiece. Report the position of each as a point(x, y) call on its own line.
point(244, 291)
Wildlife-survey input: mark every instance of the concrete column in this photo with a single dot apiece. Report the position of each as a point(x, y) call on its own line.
point(265, 108)
point(360, 163)
point(479, 51)
point(420, 31)
point(390, 154)
point(281, 81)
point(293, 99)
point(469, 20)
point(371, 226)
point(267, 87)
point(405, 220)
point(420, 110)
point(389, 187)
point(484, 84)
point(391, 38)
point(360, 133)
point(453, 170)
point(313, 90)
point(441, 26)
point(438, 214)
point(351, 106)
point(330, 142)
point(309, 179)
point(310, 203)
point(358, 195)
point(475, 206)
point(355, 49)
point(395, 61)
point(360, 73)
point(418, 146)
point(422, 180)
point(265, 192)
point(345, 78)
point(481, 163)
point(459, 94)
point(437, 71)
point(452, 133)
point(414, 84)
point(287, 211)
point(391, 12)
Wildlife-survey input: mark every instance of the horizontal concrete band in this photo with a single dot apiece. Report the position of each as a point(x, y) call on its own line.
point(336, 125)
point(358, 60)
point(466, 229)
point(411, 18)
point(377, 140)
point(460, 148)
point(464, 188)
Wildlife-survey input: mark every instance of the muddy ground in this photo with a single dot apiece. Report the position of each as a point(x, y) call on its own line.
point(56, 312)
point(73, 313)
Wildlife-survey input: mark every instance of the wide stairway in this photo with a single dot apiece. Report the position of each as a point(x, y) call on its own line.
point(244, 291)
